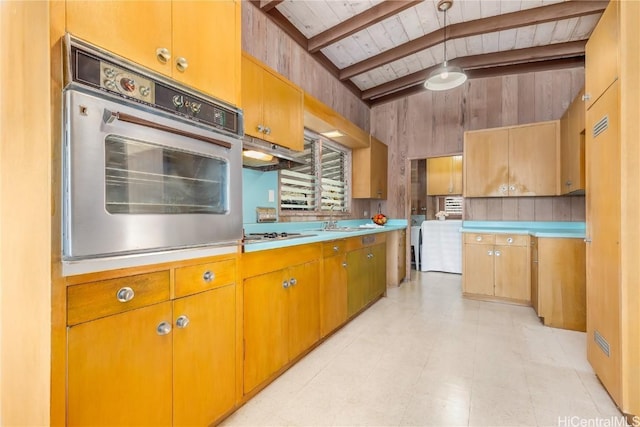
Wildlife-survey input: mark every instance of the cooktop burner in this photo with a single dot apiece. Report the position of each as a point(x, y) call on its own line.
point(271, 236)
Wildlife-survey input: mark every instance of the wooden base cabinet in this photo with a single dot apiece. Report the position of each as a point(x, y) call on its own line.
point(366, 272)
point(560, 285)
point(135, 357)
point(333, 289)
point(281, 313)
point(497, 267)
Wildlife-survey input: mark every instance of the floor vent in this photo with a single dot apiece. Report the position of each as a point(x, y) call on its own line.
point(601, 126)
point(602, 343)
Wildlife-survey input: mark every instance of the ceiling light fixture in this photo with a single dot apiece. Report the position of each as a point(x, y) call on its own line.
point(446, 76)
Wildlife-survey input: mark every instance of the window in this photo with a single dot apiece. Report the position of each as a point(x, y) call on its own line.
point(321, 183)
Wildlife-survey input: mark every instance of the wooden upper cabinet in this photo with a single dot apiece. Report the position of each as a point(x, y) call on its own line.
point(572, 151)
point(534, 154)
point(213, 51)
point(273, 106)
point(133, 29)
point(370, 171)
point(160, 35)
point(601, 55)
point(444, 176)
point(486, 165)
point(513, 161)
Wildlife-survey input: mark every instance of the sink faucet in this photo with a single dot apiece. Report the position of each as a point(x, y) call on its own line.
point(332, 224)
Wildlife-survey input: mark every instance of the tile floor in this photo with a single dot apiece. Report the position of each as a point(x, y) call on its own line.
point(425, 356)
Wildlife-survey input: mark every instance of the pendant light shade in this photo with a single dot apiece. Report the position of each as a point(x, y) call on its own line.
point(446, 76)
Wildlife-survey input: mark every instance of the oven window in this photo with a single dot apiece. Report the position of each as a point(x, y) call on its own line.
point(144, 178)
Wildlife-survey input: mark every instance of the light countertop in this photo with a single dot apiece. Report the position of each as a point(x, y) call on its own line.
point(313, 232)
point(557, 229)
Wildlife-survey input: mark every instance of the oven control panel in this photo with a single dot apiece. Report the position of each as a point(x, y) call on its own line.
point(126, 83)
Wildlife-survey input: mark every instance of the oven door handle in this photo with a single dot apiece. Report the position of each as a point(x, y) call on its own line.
point(110, 116)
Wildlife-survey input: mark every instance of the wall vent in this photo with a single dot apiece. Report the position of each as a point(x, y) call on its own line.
point(602, 343)
point(601, 126)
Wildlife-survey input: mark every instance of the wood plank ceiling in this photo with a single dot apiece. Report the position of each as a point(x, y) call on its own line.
point(385, 49)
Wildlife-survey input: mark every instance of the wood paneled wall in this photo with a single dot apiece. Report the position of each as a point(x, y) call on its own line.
point(431, 124)
point(264, 40)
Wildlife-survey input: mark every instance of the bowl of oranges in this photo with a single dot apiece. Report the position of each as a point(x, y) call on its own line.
point(379, 219)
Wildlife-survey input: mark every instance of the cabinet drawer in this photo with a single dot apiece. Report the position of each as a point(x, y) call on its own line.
point(332, 248)
point(98, 299)
point(512, 239)
point(479, 239)
point(198, 278)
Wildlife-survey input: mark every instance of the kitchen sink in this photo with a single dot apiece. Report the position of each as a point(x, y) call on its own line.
point(344, 229)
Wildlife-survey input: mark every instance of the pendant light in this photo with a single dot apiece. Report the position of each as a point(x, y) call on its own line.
point(446, 76)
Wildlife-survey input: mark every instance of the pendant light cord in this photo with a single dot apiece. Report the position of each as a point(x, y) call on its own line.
point(445, 35)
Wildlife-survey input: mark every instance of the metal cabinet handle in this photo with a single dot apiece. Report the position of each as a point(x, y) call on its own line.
point(586, 97)
point(344, 264)
point(163, 55)
point(125, 294)
point(478, 238)
point(182, 322)
point(568, 183)
point(163, 328)
point(490, 253)
point(208, 276)
point(293, 281)
point(182, 64)
point(335, 249)
point(510, 240)
point(285, 284)
point(267, 130)
point(503, 188)
point(512, 188)
point(498, 253)
point(587, 240)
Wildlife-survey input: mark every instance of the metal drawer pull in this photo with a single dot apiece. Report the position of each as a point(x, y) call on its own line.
point(335, 248)
point(293, 281)
point(344, 264)
point(478, 238)
point(497, 253)
point(510, 240)
point(285, 284)
point(490, 253)
point(125, 294)
point(208, 276)
point(163, 328)
point(182, 322)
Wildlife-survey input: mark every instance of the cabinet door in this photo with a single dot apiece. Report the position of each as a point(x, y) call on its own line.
point(304, 311)
point(601, 55)
point(456, 174)
point(377, 271)
point(204, 356)
point(534, 160)
point(132, 29)
point(333, 294)
point(603, 228)
point(486, 164)
point(213, 53)
point(356, 280)
point(252, 97)
point(265, 327)
point(379, 157)
point(439, 180)
point(119, 369)
point(512, 276)
point(576, 143)
point(283, 112)
point(478, 272)
point(535, 292)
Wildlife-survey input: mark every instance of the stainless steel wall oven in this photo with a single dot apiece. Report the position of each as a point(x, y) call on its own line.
point(148, 164)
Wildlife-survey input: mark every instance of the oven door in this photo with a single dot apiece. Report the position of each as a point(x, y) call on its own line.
point(136, 180)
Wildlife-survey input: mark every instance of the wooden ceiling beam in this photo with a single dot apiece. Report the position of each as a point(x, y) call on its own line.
point(553, 64)
point(363, 20)
point(267, 5)
point(534, 16)
point(496, 59)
